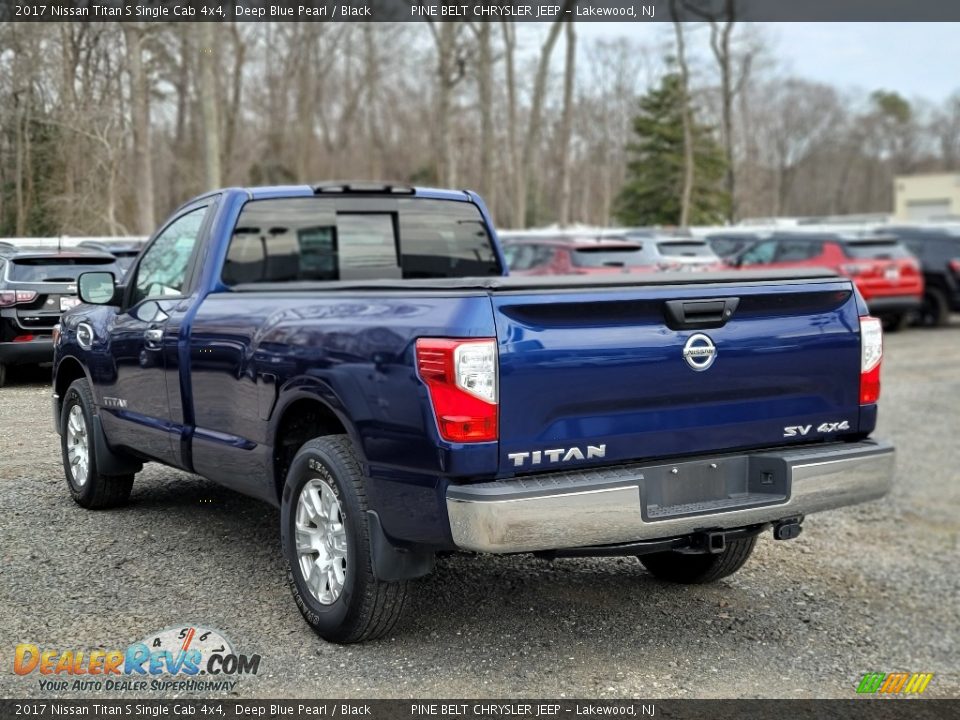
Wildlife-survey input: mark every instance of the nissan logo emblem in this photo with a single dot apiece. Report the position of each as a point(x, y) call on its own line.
point(699, 352)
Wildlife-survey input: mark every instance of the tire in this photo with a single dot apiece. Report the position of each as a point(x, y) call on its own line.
point(362, 607)
point(88, 487)
point(895, 322)
point(691, 569)
point(3, 374)
point(936, 309)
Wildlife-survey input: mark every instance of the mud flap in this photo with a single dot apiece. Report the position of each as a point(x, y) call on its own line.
point(392, 563)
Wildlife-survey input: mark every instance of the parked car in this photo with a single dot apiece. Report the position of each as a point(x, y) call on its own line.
point(728, 245)
point(939, 253)
point(571, 255)
point(125, 251)
point(36, 286)
point(357, 359)
point(884, 271)
point(675, 252)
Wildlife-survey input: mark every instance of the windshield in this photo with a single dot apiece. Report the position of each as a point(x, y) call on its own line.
point(876, 250)
point(672, 248)
point(38, 270)
point(607, 256)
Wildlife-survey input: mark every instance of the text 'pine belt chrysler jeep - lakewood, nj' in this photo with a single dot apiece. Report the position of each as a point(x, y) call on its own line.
point(355, 355)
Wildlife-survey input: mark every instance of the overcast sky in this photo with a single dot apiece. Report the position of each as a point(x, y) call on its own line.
point(915, 59)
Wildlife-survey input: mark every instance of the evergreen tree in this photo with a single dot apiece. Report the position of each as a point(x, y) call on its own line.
point(652, 192)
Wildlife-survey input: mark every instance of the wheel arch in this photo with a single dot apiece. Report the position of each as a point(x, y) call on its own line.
point(304, 413)
point(69, 369)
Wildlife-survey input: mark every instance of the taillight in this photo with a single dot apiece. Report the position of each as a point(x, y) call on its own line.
point(871, 354)
point(955, 266)
point(853, 269)
point(9, 298)
point(461, 376)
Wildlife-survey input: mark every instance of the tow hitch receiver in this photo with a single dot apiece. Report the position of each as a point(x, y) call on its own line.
point(710, 542)
point(787, 529)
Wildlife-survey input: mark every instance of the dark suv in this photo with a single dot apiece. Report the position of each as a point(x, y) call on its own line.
point(939, 253)
point(36, 286)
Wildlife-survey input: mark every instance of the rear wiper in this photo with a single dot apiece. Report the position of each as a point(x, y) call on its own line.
point(613, 264)
point(58, 279)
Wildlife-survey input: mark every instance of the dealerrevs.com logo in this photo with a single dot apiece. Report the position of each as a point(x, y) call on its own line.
point(190, 659)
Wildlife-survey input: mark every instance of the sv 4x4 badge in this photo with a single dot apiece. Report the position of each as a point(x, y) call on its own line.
point(827, 427)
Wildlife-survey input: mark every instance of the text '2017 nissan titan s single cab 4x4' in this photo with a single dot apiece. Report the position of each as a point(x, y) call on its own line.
point(356, 356)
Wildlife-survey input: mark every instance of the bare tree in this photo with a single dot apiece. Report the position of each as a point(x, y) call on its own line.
point(566, 125)
point(213, 174)
point(135, 34)
point(686, 193)
point(732, 80)
point(484, 71)
point(451, 68)
point(534, 123)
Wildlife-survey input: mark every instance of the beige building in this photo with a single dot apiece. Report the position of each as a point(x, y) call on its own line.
point(927, 197)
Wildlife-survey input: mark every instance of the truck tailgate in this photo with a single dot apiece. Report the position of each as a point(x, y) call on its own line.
point(600, 375)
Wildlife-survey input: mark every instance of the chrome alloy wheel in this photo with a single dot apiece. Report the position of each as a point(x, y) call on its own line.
point(321, 540)
point(78, 449)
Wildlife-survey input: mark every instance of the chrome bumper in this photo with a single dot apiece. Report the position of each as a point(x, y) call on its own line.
point(605, 506)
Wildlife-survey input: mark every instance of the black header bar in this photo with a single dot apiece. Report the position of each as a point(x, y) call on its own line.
point(463, 10)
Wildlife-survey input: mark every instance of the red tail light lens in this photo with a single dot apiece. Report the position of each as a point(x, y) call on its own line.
point(955, 266)
point(853, 269)
point(871, 355)
point(461, 376)
point(9, 298)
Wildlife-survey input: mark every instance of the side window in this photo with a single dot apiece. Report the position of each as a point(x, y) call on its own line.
point(797, 250)
point(760, 254)
point(163, 267)
point(542, 255)
point(519, 257)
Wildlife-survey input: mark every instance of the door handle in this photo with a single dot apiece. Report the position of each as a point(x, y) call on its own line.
point(153, 338)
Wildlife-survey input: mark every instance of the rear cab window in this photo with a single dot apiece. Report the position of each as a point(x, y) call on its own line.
point(351, 238)
point(876, 249)
point(685, 248)
point(608, 256)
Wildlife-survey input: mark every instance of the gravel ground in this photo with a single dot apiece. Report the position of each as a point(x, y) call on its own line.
point(870, 588)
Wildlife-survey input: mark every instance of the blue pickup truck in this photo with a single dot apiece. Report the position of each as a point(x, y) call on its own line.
point(356, 356)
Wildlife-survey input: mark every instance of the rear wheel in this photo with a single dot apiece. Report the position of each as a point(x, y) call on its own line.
point(895, 322)
point(326, 544)
point(3, 374)
point(936, 309)
point(698, 569)
point(88, 487)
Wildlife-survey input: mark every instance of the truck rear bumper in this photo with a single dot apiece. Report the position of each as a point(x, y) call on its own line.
point(630, 503)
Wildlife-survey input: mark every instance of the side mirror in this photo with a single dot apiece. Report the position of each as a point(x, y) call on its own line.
point(97, 288)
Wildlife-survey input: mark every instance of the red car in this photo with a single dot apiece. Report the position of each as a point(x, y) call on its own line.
point(530, 254)
point(882, 268)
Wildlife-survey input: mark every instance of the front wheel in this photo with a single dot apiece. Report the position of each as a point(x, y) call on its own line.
point(690, 569)
point(326, 544)
point(88, 487)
